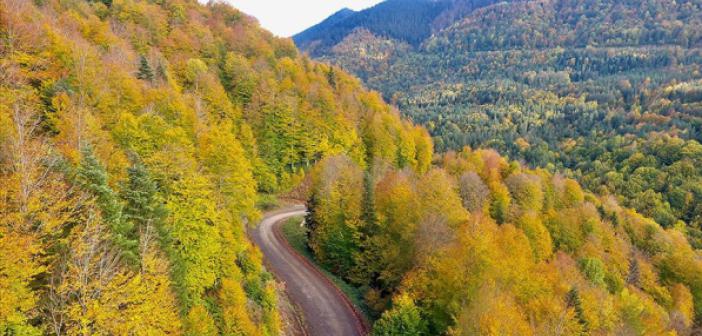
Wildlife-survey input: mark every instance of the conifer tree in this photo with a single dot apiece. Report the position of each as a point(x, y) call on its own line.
point(331, 77)
point(143, 208)
point(573, 301)
point(310, 218)
point(92, 177)
point(145, 71)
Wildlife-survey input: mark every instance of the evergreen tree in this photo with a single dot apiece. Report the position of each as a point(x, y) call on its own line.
point(331, 77)
point(310, 218)
point(573, 301)
point(143, 207)
point(145, 71)
point(92, 177)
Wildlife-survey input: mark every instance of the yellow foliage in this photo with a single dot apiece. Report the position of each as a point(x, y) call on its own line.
point(137, 304)
point(494, 314)
point(233, 302)
point(17, 268)
point(198, 322)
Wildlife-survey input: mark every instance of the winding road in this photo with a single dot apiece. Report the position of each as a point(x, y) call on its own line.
point(327, 311)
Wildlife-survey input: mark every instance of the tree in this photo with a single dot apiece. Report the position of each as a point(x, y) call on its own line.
point(145, 72)
point(138, 303)
point(143, 204)
point(92, 177)
point(402, 319)
point(573, 301)
point(232, 299)
point(199, 322)
point(499, 202)
point(473, 191)
point(338, 184)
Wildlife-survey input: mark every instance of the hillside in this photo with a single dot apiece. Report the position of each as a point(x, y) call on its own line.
point(480, 245)
point(409, 21)
point(140, 140)
point(135, 139)
point(577, 86)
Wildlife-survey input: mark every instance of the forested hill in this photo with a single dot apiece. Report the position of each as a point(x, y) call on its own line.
point(606, 91)
point(410, 21)
point(138, 138)
point(135, 138)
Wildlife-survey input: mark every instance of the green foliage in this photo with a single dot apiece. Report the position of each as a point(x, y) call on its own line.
point(573, 301)
point(603, 91)
point(338, 189)
point(402, 319)
point(143, 204)
point(549, 261)
point(593, 269)
point(499, 203)
point(191, 110)
point(92, 177)
point(145, 72)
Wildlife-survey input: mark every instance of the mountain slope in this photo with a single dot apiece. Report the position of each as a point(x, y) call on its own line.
point(135, 137)
point(409, 21)
point(559, 84)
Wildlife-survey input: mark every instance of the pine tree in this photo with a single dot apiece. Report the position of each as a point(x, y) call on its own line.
point(145, 72)
point(311, 217)
point(573, 301)
point(92, 177)
point(143, 208)
point(331, 77)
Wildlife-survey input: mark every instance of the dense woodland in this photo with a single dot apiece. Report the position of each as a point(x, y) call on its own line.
point(135, 139)
point(582, 87)
point(478, 245)
point(138, 137)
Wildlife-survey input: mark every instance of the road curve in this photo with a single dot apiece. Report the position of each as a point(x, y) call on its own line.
point(327, 311)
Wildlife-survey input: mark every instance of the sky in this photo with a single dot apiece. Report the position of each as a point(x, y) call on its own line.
point(288, 17)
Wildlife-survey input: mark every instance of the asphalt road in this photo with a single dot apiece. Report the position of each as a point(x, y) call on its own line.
point(327, 312)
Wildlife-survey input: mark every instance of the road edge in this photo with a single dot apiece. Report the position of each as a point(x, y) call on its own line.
point(362, 324)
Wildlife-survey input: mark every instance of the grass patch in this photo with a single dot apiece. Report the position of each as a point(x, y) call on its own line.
point(297, 237)
point(267, 202)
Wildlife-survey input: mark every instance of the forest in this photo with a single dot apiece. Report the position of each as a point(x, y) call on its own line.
point(479, 245)
point(579, 87)
point(140, 140)
point(137, 139)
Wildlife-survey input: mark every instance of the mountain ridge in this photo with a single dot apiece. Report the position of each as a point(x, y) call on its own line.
point(411, 21)
point(546, 82)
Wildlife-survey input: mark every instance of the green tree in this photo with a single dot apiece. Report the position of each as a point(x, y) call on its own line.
point(145, 72)
point(573, 301)
point(403, 319)
point(92, 177)
point(143, 204)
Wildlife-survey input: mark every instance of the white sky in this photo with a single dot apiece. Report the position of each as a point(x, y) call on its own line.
point(288, 17)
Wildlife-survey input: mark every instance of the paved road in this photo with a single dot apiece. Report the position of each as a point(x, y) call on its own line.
point(327, 312)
